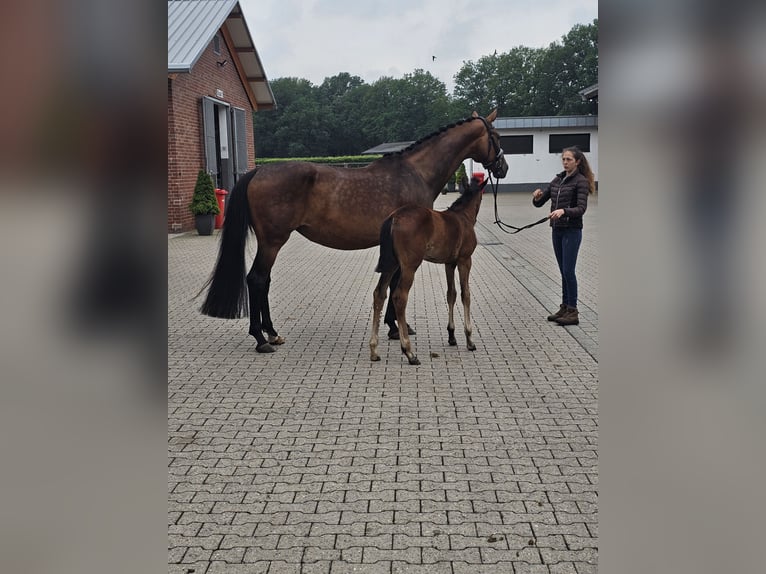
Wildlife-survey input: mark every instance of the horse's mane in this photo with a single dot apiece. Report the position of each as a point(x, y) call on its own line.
point(441, 130)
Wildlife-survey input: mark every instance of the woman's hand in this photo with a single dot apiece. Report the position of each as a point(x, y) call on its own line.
point(556, 214)
point(537, 194)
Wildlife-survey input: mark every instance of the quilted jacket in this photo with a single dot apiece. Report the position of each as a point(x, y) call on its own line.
point(569, 193)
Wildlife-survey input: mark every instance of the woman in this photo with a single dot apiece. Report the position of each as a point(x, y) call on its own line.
point(568, 193)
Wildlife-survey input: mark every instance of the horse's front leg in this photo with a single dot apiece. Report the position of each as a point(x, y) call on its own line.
point(378, 297)
point(464, 270)
point(451, 298)
point(399, 296)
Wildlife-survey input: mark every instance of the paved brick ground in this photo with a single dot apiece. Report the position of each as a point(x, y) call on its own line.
point(315, 460)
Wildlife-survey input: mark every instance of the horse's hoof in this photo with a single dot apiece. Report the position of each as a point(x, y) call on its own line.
point(471, 347)
point(452, 342)
point(375, 358)
point(265, 348)
point(414, 360)
point(276, 340)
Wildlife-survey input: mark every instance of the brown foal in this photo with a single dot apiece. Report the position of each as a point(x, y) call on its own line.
point(414, 233)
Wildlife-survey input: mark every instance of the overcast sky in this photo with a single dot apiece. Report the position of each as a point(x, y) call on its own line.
point(315, 39)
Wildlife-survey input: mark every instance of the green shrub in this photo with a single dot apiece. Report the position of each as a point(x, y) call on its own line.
point(204, 201)
point(460, 175)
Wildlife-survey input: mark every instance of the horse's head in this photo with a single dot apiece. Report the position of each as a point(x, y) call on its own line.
point(495, 159)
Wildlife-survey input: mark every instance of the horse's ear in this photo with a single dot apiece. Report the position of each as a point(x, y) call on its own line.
point(474, 115)
point(491, 117)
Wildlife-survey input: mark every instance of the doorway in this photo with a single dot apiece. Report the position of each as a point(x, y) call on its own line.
point(225, 142)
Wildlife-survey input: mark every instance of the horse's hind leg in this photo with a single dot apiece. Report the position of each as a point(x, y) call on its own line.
point(258, 283)
point(378, 297)
point(451, 298)
point(464, 270)
point(262, 285)
point(256, 287)
point(266, 323)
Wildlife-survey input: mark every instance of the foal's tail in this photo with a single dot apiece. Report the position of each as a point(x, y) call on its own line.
point(227, 293)
point(388, 261)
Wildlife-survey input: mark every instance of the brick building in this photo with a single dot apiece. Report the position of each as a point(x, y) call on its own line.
point(215, 83)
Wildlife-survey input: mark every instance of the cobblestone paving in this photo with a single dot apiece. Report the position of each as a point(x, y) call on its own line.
point(313, 459)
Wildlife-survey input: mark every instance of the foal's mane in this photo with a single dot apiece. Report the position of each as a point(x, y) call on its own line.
point(467, 196)
point(441, 130)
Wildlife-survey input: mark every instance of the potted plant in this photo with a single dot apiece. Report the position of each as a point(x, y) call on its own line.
point(451, 183)
point(461, 178)
point(204, 204)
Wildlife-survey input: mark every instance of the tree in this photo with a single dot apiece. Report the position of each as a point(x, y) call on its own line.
point(534, 81)
point(293, 124)
point(473, 88)
point(345, 116)
point(335, 97)
point(502, 81)
point(570, 67)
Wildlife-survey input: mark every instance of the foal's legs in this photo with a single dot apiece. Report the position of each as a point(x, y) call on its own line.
point(390, 318)
point(378, 297)
point(464, 270)
point(399, 297)
point(451, 298)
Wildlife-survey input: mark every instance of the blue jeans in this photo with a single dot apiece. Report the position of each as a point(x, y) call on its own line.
point(566, 245)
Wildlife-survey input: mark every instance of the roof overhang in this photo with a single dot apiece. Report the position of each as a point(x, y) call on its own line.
point(384, 148)
point(545, 122)
point(589, 93)
point(252, 73)
point(186, 44)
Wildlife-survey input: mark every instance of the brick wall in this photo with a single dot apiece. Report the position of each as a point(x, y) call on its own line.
point(186, 153)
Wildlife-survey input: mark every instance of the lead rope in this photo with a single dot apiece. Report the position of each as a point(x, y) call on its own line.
point(502, 225)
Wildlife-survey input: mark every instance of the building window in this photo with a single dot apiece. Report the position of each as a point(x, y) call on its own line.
point(217, 44)
point(516, 145)
point(557, 142)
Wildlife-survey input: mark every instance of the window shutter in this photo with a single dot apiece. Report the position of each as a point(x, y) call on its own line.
point(208, 129)
point(240, 142)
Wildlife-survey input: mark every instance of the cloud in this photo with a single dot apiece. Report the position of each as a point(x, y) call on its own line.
point(319, 39)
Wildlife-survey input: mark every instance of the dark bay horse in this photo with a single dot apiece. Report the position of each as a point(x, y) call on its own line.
point(342, 208)
point(413, 234)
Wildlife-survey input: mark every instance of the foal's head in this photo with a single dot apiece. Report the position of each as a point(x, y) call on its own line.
point(471, 198)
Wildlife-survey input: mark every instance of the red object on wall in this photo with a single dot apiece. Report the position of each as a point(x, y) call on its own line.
point(479, 175)
point(220, 195)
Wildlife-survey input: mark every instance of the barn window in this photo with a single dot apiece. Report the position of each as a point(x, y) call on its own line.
point(557, 142)
point(217, 44)
point(516, 144)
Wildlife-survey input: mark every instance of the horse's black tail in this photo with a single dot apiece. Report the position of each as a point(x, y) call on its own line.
point(387, 262)
point(227, 293)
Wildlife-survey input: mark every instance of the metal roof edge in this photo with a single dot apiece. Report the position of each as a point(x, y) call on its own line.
point(215, 25)
point(273, 104)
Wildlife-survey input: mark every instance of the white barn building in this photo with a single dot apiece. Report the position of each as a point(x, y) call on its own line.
point(532, 147)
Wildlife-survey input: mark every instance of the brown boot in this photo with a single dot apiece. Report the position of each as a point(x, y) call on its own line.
point(570, 317)
point(558, 314)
